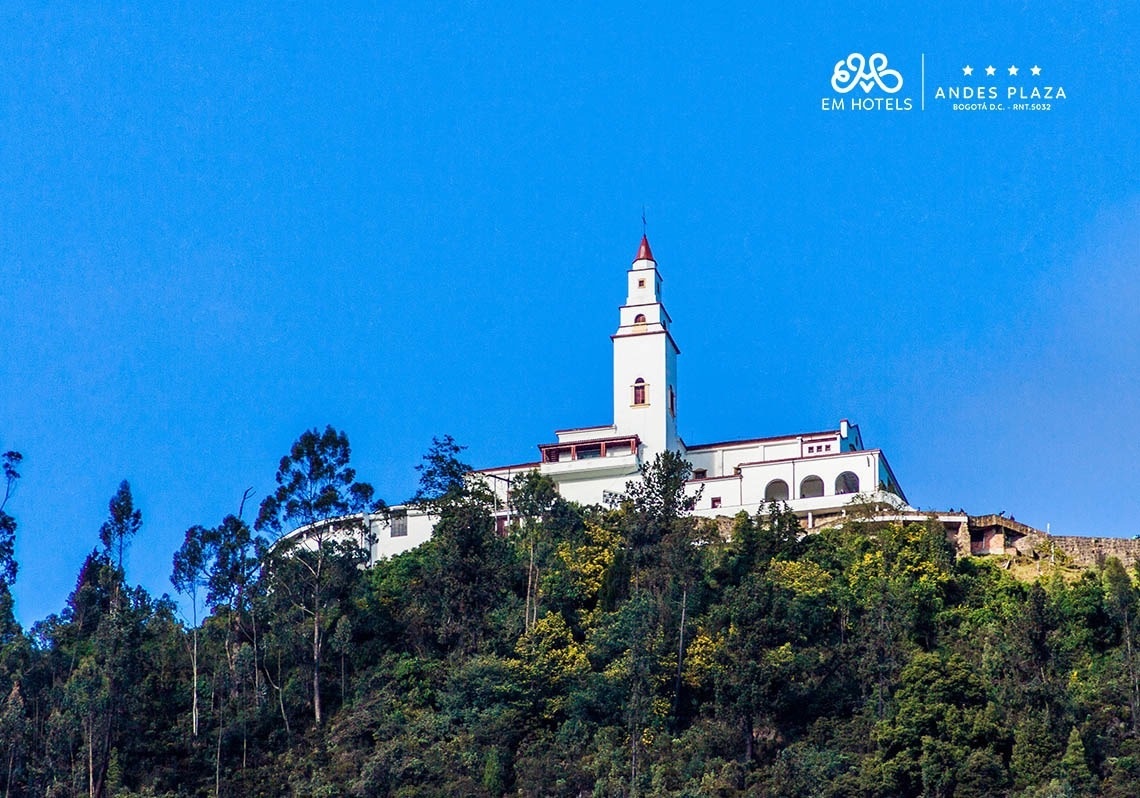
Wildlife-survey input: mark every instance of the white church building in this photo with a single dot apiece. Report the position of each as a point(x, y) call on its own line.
point(818, 473)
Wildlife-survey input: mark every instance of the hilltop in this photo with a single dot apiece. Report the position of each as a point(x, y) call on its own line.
point(630, 650)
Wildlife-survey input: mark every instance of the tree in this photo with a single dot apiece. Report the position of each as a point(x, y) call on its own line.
point(657, 508)
point(1075, 766)
point(9, 462)
point(660, 539)
point(1121, 603)
point(317, 512)
point(232, 560)
point(235, 561)
point(443, 476)
point(13, 725)
point(467, 573)
point(123, 524)
point(188, 576)
point(221, 562)
point(533, 497)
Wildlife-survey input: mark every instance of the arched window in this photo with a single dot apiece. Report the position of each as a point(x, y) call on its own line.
point(639, 392)
point(639, 318)
point(811, 487)
point(847, 482)
point(777, 491)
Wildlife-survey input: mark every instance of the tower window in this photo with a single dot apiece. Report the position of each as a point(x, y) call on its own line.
point(640, 396)
point(639, 318)
point(641, 283)
point(672, 402)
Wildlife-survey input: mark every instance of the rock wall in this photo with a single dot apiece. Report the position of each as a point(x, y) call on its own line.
point(1093, 551)
point(996, 534)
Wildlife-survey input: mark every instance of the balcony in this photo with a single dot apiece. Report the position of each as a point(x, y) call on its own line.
point(591, 458)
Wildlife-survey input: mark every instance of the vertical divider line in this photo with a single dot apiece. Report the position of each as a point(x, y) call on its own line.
point(923, 98)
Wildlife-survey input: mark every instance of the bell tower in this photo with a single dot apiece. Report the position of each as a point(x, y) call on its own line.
point(645, 361)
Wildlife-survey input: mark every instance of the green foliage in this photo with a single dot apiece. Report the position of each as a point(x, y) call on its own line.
point(443, 476)
point(1075, 766)
point(316, 485)
point(9, 462)
point(319, 502)
point(626, 651)
point(466, 575)
point(122, 525)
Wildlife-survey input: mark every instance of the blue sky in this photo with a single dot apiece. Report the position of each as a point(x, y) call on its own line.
point(219, 229)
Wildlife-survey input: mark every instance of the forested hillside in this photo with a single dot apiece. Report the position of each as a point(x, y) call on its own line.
point(620, 651)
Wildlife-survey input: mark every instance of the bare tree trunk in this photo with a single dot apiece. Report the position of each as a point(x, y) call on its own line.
point(280, 697)
point(218, 763)
point(633, 762)
point(104, 761)
point(316, 667)
point(1134, 686)
point(194, 669)
point(91, 765)
point(317, 634)
point(256, 670)
point(531, 598)
point(680, 651)
point(534, 604)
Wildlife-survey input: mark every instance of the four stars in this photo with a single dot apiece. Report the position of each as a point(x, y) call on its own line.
point(991, 70)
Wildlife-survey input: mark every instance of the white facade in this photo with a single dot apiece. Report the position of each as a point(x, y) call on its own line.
point(817, 473)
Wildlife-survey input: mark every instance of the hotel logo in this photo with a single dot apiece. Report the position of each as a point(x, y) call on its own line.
point(870, 83)
point(872, 75)
point(866, 73)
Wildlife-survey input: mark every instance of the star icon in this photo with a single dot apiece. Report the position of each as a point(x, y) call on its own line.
point(967, 70)
point(1013, 70)
point(1036, 70)
point(990, 71)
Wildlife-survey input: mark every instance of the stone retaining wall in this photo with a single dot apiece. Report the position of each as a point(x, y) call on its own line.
point(1092, 551)
point(996, 534)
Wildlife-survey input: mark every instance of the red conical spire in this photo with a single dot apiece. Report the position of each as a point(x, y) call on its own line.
point(643, 251)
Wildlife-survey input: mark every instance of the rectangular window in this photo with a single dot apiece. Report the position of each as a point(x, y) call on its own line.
point(641, 283)
point(588, 452)
point(829, 447)
point(400, 524)
point(715, 502)
point(700, 473)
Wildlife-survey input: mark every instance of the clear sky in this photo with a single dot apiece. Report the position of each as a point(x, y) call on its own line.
point(219, 229)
